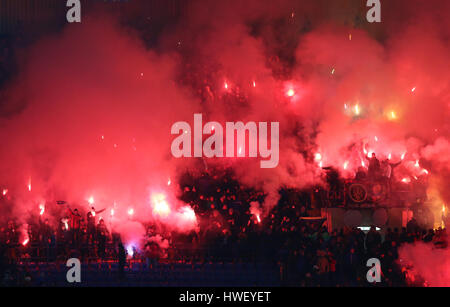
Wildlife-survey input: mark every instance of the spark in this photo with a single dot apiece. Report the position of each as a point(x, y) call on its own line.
point(357, 110)
point(130, 250)
point(345, 164)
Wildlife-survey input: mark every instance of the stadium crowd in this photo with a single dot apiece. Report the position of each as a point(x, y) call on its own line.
point(303, 250)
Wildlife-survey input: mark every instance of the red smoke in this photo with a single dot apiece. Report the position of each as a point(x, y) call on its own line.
point(91, 108)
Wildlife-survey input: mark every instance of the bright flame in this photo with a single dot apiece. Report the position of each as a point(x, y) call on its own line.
point(392, 115)
point(42, 208)
point(290, 92)
point(91, 200)
point(130, 211)
point(130, 250)
point(160, 205)
point(406, 180)
point(403, 155)
point(112, 212)
point(345, 164)
point(258, 218)
point(4, 192)
point(188, 214)
point(318, 157)
point(390, 156)
point(417, 163)
point(169, 182)
point(413, 89)
point(25, 242)
point(356, 110)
